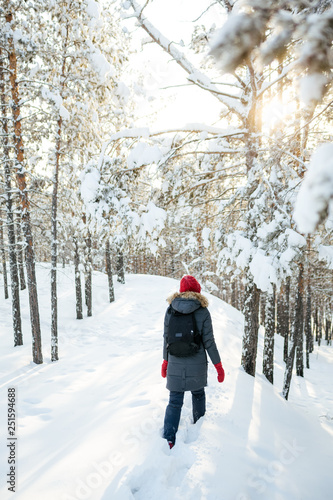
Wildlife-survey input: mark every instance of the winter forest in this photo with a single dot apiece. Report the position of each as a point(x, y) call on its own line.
point(146, 137)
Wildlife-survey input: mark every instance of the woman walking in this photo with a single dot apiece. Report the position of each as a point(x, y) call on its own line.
point(184, 359)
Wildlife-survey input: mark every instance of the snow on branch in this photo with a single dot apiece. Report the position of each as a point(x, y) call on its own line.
point(110, 206)
point(99, 63)
point(150, 227)
point(93, 9)
point(195, 76)
point(325, 253)
point(266, 29)
point(130, 133)
point(316, 192)
point(145, 132)
point(199, 127)
point(142, 155)
point(270, 263)
point(233, 43)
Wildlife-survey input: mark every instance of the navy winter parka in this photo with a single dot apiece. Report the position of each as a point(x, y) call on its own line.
point(190, 374)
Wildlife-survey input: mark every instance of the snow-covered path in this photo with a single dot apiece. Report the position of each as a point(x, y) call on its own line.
point(89, 425)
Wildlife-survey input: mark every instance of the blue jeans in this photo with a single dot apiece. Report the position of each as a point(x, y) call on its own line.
point(174, 408)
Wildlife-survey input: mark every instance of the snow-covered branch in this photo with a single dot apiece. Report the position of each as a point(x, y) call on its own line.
point(145, 132)
point(314, 198)
point(285, 72)
point(267, 29)
point(195, 76)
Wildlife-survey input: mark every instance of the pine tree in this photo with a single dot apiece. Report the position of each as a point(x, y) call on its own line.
point(7, 160)
point(19, 165)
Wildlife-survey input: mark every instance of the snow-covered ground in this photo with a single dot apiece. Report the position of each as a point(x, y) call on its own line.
point(89, 425)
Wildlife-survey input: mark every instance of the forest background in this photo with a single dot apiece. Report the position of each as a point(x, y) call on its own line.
point(131, 142)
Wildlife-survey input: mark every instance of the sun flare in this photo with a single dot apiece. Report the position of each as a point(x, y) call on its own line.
point(277, 113)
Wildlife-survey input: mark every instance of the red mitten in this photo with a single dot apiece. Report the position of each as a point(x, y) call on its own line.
point(164, 368)
point(220, 372)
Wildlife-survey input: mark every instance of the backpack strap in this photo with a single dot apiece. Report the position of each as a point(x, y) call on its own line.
point(197, 337)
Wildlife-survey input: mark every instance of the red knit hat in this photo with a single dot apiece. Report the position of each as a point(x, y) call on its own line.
point(189, 284)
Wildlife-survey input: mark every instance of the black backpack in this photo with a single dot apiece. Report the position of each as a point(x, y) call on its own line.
point(182, 338)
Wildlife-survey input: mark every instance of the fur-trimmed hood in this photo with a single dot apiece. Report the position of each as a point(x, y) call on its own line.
point(189, 295)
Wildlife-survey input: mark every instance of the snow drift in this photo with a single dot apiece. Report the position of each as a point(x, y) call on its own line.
point(89, 426)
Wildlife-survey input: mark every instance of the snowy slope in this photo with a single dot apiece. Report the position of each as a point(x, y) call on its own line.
point(89, 425)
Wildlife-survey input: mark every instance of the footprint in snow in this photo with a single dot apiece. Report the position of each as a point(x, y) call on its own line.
point(193, 431)
point(30, 409)
point(140, 402)
point(39, 411)
point(32, 401)
point(166, 473)
point(45, 417)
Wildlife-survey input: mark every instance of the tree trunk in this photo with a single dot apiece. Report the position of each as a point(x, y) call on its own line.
point(109, 270)
point(252, 123)
point(286, 320)
point(268, 361)
point(233, 300)
point(78, 288)
point(20, 259)
point(25, 205)
point(54, 248)
point(251, 326)
point(329, 339)
point(14, 278)
point(120, 268)
point(4, 264)
point(280, 313)
point(320, 325)
point(300, 342)
point(54, 242)
point(316, 326)
point(54, 296)
point(262, 307)
point(88, 276)
point(297, 327)
point(327, 330)
point(307, 329)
